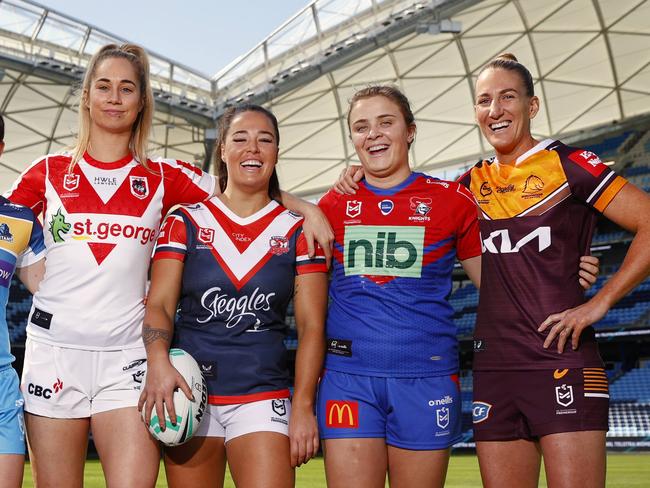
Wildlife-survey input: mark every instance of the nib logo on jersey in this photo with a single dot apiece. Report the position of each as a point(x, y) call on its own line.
point(42, 392)
point(383, 250)
point(100, 234)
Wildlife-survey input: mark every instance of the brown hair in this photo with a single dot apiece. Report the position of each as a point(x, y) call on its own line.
point(388, 91)
point(508, 62)
point(137, 56)
point(224, 127)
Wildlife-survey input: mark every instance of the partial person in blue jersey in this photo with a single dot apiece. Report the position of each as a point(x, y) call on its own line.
point(232, 264)
point(22, 251)
point(389, 400)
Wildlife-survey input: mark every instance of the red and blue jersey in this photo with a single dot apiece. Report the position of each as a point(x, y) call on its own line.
point(394, 252)
point(238, 279)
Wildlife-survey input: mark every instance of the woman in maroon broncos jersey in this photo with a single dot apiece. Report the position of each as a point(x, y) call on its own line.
point(533, 396)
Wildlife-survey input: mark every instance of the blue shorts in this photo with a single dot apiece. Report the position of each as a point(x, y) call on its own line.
point(410, 413)
point(12, 425)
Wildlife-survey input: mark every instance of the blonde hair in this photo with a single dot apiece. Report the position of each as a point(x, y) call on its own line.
point(139, 141)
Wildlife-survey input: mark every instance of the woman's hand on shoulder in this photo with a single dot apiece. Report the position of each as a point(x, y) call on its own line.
point(158, 391)
point(303, 435)
point(348, 179)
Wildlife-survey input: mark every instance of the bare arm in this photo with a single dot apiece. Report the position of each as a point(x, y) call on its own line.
point(310, 303)
point(32, 275)
point(630, 209)
point(157, 332)
point(316, 227)
point(472, 267)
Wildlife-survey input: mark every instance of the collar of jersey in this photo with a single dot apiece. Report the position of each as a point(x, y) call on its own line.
point(269, 207)
point(538, 147)
point(394, 189)
point(106, 165)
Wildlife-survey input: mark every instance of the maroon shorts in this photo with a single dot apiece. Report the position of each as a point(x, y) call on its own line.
point(532, 404)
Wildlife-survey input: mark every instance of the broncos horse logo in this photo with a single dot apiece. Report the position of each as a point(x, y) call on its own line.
point(58, 226)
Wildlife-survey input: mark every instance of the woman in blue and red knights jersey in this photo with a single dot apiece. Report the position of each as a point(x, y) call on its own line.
point(532, 394)
point(389, 401)
point(235, 262)
point(103, 204)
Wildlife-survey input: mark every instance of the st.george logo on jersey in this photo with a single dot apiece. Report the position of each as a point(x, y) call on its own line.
point(139, 187)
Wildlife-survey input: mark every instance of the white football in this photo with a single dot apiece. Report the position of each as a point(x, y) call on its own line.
point(188, 413)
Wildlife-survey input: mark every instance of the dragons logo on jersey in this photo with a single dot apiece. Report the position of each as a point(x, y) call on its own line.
point(279, 245)
point(139, 187)
point(383, 250)
point(5, 233)
point(58, 226)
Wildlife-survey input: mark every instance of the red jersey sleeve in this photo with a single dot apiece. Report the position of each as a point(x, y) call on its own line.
point(468, 238)
point(185, 183)
point(305, 264)
point(29, 188)
point(590, 180)
point(328, 202)
point(172, 238)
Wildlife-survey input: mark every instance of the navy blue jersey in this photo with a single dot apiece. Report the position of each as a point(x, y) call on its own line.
point(238, 279)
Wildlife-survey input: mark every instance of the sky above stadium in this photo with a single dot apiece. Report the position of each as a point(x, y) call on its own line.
point(203, 34)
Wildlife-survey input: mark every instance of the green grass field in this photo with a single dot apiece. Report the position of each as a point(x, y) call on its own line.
point(623, 471)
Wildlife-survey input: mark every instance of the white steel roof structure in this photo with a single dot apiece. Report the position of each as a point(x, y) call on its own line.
point(590, 60)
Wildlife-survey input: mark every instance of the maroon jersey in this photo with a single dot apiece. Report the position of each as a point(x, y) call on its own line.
point(536, 218)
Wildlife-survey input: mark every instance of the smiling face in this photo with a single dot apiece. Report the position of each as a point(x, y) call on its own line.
point(503, 111)
point(250, 151)
point(381, 139)
point(114, 98)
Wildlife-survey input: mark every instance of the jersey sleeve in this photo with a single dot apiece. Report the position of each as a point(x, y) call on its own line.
point(327, 203)
point(172, 238)
point(589, 179)
point(185, 183)
point(305, 264)
point(35, 250)
point(468, 238)
point(29, 188)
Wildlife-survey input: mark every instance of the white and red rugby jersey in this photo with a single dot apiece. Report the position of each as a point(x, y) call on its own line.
point(100, 222)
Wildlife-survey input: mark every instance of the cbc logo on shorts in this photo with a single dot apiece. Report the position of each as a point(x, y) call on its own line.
point(42, 392)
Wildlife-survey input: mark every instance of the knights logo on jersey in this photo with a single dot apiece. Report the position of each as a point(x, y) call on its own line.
point(206, 236)
point(5, 233)
point(353, 208)
point(139, 187)
point(421, 207)
point(279, 245)
point(70, 182)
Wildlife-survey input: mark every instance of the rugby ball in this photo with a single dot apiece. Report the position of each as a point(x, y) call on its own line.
point(188, 413)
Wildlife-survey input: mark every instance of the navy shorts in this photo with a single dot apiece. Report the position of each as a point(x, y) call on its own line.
point(12, 426)
point(410, 413)
point(531, 404)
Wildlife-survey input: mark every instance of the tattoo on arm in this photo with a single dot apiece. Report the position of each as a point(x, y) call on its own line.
point(149, 335)
point(295, 290)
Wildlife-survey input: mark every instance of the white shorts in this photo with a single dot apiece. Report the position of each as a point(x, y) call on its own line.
point(231, 421)
point(66, 383)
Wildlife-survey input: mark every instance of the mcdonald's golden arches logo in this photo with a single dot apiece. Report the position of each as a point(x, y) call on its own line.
point(342, 414)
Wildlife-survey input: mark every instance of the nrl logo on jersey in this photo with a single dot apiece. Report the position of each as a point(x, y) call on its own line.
point(353, 208)
point(139, 187)
point(279, 245)
point(206, 236)
point(70, 182)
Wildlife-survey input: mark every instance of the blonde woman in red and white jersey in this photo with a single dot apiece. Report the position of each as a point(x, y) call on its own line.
point(101, 208)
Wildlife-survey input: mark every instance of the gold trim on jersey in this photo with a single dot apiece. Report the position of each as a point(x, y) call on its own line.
point(19, 232)
point(609, 193)
point(505, 191)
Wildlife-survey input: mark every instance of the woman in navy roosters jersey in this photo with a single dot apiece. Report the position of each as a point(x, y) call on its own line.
point(234, 263)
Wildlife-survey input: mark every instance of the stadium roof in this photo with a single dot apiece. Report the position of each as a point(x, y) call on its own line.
point(590, 60)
